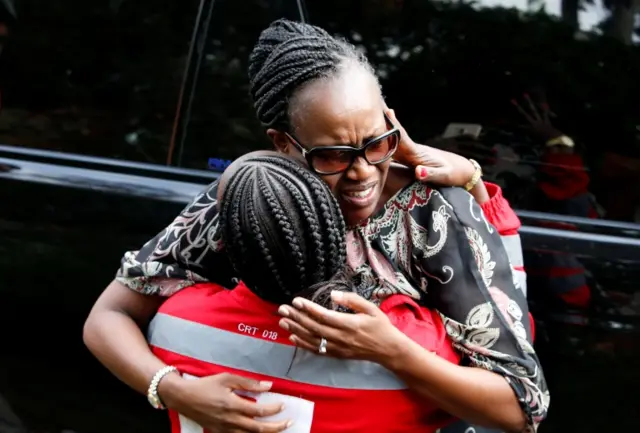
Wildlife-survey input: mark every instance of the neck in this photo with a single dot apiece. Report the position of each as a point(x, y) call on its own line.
point(399, 176)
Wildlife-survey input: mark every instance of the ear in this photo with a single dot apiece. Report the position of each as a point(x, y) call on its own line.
point(279, 140)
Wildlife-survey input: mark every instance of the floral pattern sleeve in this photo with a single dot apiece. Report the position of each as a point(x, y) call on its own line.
point(187, 251)
point(470, 280)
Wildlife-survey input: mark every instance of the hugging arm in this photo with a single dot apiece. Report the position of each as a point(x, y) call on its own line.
point(113, 334)
point(473, 394)
point(113, 329)
point(472, 283)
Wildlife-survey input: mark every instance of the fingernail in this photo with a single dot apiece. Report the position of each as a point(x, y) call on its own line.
point(422, 172)
point(284, 325)
point(337, 295)
point(292, 339)
point(283, 311)
point(266, 383)
point(297, 303)
point(289, 423)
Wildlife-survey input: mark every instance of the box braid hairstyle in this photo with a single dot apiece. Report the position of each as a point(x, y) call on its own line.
point(282, 227)
point(289, 55)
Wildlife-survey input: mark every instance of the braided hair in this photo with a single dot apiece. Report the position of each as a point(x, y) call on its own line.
point(289, 55)
point(282, 227)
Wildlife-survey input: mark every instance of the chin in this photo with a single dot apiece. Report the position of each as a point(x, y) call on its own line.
point(357, 216)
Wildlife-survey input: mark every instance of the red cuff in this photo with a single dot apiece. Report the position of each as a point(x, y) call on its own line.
point(499, 213)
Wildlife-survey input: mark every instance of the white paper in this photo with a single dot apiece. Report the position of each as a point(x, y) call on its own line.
point(298, 410)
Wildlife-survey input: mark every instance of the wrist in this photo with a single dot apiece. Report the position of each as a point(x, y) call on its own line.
point(480, 193)
point(397, 351)
point(475, 177)
point(170, 390)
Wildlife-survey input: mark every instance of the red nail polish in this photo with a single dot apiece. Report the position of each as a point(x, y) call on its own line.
point(422, 172)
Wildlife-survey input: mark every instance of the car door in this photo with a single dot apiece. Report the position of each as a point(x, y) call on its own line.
point(89, 95)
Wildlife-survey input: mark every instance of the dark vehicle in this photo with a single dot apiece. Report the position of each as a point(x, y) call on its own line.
point(115, 114)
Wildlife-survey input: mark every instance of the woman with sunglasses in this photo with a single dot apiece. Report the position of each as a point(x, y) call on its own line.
point(321, 103)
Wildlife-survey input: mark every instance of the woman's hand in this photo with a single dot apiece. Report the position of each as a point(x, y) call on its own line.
point(213, 404)
point(366, 335)
point(431, 165)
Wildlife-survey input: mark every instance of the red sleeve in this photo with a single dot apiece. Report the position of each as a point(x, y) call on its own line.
point(422, 325)
point(499, 213)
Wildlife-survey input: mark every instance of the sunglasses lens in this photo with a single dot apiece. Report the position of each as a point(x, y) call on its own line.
point(381, 150)
point(330, 161)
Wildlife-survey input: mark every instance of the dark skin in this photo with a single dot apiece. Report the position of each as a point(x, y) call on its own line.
point(348, 110)
point(112, 330)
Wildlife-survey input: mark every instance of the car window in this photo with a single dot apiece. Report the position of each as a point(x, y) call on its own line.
point(222, 124)
point(94, 78)
point(559, 131)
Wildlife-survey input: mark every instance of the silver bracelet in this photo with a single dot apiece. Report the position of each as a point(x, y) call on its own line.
point(152, 392)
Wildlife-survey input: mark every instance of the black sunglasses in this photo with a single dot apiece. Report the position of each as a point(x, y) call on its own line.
point(328, 160)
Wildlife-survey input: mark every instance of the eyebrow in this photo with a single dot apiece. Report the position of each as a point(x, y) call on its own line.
point(365, 140)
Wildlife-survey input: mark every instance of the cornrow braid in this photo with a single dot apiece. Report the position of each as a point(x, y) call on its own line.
point(289, 55)
point(282, 227)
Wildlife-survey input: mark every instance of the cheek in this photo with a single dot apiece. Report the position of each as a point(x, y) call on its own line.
point(383, 169)
point(332, 181)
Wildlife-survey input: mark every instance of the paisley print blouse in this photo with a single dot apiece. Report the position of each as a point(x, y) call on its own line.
point(437, 246)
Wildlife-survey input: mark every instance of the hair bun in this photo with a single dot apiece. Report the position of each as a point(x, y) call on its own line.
point(287, 55)
point(281, 31)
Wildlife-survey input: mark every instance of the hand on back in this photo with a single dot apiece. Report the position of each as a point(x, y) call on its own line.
point(212, 403)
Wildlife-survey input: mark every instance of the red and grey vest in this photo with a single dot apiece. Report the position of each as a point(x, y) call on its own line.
point(205, 330)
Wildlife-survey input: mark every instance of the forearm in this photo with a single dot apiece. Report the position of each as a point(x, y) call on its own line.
point(465, 169)
point(473, 394)
point(117, 341)
point(119, 345)
point(480, 193)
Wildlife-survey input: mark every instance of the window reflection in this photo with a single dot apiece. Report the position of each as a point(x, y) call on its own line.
point(442, 62)
point(223, 124)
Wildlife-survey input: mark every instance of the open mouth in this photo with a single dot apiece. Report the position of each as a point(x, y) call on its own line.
point(360, 197)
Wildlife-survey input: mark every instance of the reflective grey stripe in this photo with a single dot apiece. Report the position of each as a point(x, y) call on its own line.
point(521, 278)
point(229, 349)
point(514, 249)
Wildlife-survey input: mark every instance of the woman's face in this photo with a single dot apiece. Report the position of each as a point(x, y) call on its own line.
point(347, 110)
